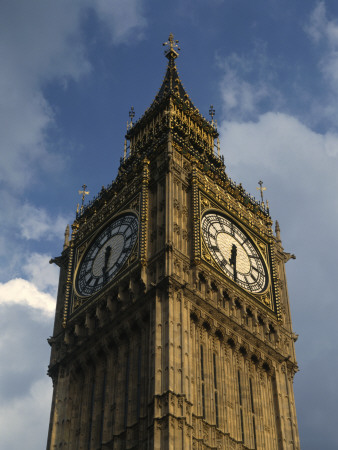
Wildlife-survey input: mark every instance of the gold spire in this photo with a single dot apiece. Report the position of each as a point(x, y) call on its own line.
point(172, 92)
point(172, 84)
point(277, 231)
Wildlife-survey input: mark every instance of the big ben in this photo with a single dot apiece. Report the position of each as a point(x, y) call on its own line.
point(172, 326)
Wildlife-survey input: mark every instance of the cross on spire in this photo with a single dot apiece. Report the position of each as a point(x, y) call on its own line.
point(261, 189)
point(171, 52)
point(83, 193)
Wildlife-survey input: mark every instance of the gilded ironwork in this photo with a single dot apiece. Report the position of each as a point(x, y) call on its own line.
point(83, 194)
point(196, 215)
point(261, 189)
point(144, 212)
point(172, 47)
point(234, 252)
point(69, 283)
point(107, 255)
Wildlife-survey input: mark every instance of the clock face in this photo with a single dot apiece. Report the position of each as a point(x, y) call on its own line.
point(107, 254)
point(234, 252)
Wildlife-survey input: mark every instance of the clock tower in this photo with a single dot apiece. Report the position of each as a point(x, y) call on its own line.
point(172, 326)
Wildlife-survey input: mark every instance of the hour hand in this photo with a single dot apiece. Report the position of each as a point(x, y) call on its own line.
point(106, 259)
point(233, 260)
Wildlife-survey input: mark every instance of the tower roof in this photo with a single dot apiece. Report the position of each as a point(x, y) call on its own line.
point(172, 83)
point(172, 87)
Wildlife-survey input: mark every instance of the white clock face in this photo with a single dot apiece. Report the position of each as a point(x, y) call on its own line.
point(107, 254)
point(234, 252)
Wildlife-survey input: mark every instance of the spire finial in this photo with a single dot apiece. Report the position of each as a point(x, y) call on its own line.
point(83, 193)
point(170, 52)
point(261, 189)
point(212, 113)
point(277, 231)
point(131, 115)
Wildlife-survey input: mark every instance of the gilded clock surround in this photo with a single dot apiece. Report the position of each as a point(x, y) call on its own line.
point(132, 204)
point(83, 252)
point(172, 353)
point(210, 254)
point(210, 197)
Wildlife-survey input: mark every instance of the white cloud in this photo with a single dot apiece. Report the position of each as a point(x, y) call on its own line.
point(25, 389)
point(42, 41)
point(22, 292)
point(123, 19)
point(22, 232)
point(299, 168)
point(35, 223)
point(238, 94)
point(325, 32)
point(24, 421)
point(282, 144)
point(43, 275)
point(39, 42)
point(317, 22)
point(246, 83)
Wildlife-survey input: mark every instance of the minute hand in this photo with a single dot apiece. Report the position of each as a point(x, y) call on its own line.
point(106, 259)
point(233, 260)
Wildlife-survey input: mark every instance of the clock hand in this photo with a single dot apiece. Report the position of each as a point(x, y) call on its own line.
point(233, 260)
point(106, 259)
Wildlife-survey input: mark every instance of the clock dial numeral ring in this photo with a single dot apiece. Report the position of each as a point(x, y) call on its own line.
point(235, 253)
point(107, 254)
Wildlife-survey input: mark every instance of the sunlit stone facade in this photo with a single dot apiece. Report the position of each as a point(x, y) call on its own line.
point(160, 339)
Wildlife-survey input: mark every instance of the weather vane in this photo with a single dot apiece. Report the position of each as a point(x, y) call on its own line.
point(261, 189)
point(83, 193)
point(170, 51)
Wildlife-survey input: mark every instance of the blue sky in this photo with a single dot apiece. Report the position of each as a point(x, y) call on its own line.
point(70, 73)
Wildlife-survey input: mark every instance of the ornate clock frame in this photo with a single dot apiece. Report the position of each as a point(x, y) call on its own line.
point(131, 198)
point(209, 196)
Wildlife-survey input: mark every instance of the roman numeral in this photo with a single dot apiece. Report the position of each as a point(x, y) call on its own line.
point(221, 226)
point(248, 285)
